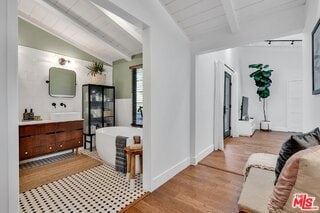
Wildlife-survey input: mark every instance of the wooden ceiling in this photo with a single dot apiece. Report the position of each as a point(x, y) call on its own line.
point(199, 17)
point(83, 25)
point(209, 24)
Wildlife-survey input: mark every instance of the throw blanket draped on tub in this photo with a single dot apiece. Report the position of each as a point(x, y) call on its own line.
point(121, 157)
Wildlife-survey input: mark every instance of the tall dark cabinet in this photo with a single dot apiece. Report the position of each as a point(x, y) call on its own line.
point(98, 109)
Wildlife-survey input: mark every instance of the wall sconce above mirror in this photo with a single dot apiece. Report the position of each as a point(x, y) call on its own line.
point(63, 61)
point(62, 82)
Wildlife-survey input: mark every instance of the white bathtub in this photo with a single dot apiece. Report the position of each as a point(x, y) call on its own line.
point(106, 142)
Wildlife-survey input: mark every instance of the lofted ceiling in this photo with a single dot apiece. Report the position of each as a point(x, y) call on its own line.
point(83, 25)
point(218, 19)
point(209, 24)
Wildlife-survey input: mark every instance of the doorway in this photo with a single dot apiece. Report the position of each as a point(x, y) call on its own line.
point(227, 106)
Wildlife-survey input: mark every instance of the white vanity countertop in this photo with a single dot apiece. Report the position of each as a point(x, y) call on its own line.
point(24, 123)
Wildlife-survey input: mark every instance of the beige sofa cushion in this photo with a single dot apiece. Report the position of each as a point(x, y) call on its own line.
point(293, 173)
point(257, 190)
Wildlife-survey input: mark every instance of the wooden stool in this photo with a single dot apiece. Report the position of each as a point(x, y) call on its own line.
point(131, 163)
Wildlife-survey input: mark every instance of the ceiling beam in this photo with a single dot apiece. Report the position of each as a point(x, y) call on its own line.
point(231, 15)
point(280, 24)
point(77, 45)
point(106, 4)
point(123, 25)
point(117, 47)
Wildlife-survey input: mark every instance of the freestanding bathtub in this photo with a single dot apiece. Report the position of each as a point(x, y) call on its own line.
point(106, 142)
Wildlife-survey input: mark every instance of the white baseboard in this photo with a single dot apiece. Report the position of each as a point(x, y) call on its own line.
point(277, 128)
point(170, 173)
point(201, 155)
point(193, 160)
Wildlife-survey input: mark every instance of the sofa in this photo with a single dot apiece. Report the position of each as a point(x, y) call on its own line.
point(259, 182)
point(301, 174)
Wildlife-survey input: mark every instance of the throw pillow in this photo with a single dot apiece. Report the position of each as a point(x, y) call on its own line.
point(295, 144)
point(288, 177)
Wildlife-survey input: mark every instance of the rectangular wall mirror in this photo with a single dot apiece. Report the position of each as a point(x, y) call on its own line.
point(62, 82)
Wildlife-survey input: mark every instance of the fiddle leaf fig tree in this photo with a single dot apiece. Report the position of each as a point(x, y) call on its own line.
point(261, 76)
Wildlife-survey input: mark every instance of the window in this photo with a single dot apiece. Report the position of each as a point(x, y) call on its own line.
point(137, 96)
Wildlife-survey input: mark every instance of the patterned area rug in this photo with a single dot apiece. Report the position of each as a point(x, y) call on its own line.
point(100, 189)
point(42, 175)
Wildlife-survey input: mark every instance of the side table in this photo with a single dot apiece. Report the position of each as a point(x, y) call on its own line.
point(132, 152)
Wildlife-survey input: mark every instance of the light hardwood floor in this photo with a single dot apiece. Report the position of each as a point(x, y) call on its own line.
point(215, 184)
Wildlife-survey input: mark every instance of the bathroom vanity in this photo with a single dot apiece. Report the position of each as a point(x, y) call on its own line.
point(40, 138)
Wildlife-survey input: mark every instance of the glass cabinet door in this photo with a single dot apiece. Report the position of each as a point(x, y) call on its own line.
point(98, 104)
point(96, 100)
point(85, 109)
point(108, 114)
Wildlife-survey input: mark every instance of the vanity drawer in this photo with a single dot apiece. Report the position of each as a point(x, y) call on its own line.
point(68, 126)
point(63, 136)
point(78, 142)
point(49, 148)
point(69, 144)
point(44, 139)
point(26, 147)
point(76, 134)
point(41, 139)
point(46, 129)
point(27, 130)
point(69, 140)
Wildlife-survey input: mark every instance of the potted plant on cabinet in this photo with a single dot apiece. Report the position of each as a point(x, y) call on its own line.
point(261, 76)
point(96, 72)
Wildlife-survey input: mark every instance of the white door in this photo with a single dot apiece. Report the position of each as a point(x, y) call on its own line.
point(294, 106)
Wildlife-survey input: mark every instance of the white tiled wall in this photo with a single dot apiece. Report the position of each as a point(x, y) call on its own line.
point(33, 90)
point(124, 112)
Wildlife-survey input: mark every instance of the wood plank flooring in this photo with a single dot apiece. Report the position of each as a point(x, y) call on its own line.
point(237, 150)
point(215, 184)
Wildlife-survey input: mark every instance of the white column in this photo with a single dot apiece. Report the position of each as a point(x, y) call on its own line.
point(9, 178)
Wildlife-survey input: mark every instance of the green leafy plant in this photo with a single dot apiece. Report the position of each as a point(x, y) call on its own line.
point(263, 81)
point(96, 68)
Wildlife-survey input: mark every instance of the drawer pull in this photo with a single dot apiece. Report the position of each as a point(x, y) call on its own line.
point(26, 153)
point(79, 142)
point(61, 145)
point(26, 136)
point(50, 133)
point(50, 147)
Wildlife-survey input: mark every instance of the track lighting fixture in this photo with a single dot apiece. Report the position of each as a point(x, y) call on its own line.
point(292, 42)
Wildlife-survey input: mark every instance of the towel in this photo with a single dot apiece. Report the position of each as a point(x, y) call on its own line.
point(121, 157)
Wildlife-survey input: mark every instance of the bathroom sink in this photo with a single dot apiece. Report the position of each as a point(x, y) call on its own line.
point(65, 116)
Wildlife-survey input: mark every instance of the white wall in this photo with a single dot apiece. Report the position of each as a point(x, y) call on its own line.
point(123, 112)
point(166, 60)
point(34, 68)
point(9, 178)
point(311, 102)
point(287, 65)
point(204, 98)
